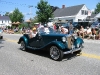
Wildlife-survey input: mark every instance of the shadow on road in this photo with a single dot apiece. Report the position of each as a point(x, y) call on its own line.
point(44, 53)
point(1, 40)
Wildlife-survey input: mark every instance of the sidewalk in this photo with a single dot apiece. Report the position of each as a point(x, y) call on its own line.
point(91, 41)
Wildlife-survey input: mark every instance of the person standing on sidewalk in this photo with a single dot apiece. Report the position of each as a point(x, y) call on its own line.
point(71, 28)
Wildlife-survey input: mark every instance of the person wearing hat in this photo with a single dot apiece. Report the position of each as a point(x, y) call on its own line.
point(64, 30)
point(33, 32)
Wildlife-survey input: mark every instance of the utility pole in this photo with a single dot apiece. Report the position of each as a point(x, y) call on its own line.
point(30, 6)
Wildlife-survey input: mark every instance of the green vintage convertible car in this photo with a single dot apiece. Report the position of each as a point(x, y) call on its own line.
point(56, 43)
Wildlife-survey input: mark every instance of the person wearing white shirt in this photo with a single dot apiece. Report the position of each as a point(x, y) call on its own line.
point(64, 30)
point(89, 32)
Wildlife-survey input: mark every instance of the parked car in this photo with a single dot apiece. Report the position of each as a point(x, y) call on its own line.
point(56, 43)
point(1, 35)
point(95, 25)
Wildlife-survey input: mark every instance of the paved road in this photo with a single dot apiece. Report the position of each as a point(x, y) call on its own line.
point(16, 62)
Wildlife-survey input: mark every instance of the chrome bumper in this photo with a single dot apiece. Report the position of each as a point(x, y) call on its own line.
point(73, 50)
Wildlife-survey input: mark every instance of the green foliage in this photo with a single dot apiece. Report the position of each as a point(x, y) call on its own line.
point(16, 16)
point(8, 27)
point(44, 11)
point(34, 20)
point(7, 14)
point(21, 25)
point(97, 9)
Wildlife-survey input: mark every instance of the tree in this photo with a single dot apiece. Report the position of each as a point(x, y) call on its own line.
point(44, 11)
point(54, 8)
point(7, 14)
point(97, 9)
point(16, 16)
point(34, 20)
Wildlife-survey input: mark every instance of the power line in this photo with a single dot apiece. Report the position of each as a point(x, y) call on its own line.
point(11, 3)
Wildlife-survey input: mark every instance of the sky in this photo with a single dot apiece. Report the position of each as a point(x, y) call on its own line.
point(23, 5)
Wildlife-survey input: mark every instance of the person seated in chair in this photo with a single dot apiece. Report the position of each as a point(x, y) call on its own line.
point(88, 32)
point(81, 32)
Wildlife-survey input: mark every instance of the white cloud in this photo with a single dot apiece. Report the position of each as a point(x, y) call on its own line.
point(92, 10)
point(11, 11)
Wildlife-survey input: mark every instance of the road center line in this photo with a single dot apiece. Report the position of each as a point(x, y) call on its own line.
point(91, 55)
point(15, 41)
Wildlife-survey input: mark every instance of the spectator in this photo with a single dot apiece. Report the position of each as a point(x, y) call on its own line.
point(93, 33)
point(81, 32)
point(54, 27)
point(88, 32)
point(76, 31)
point(71, 28)
point(99, 33)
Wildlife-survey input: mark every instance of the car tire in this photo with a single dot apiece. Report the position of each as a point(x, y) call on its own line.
point(1, 37)
point(23, 46)
point(55, 53)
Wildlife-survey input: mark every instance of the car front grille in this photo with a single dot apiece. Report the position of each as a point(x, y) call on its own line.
point(70, 42)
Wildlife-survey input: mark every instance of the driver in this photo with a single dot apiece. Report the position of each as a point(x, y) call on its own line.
point(33, 32)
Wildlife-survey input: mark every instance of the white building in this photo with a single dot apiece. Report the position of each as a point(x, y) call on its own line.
point(5, 21)
point(73, 13)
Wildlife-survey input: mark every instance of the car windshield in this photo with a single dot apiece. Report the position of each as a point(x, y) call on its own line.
point(46, 30)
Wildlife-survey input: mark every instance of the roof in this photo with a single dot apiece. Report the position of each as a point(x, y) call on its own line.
point(68, 11)
point(4, 18)
point(93, 15)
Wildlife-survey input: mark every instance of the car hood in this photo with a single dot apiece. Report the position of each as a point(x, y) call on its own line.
point(55, 35)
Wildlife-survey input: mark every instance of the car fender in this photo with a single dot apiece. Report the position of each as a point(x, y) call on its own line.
point(79, 41)
point(24, 39)
point(59, 44)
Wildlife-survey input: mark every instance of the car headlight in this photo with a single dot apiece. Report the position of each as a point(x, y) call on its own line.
point(64, 39)
point(75, 37)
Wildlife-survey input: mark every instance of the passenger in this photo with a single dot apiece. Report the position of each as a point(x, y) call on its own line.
point(33, 32)
point(46, 29)
point(64, 30)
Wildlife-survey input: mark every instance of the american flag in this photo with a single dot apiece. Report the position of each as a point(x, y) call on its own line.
point(89, 12)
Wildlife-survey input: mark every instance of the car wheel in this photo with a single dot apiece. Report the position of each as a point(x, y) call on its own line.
point(56, 53)
point(1, 37)
point(23, 46)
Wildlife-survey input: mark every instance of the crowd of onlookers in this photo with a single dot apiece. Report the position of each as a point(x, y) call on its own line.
point(88, 32)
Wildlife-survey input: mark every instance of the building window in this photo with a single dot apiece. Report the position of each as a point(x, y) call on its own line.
point(82, 12)
point(86, 12)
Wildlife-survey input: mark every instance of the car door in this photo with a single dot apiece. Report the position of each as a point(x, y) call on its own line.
point(36, 42)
